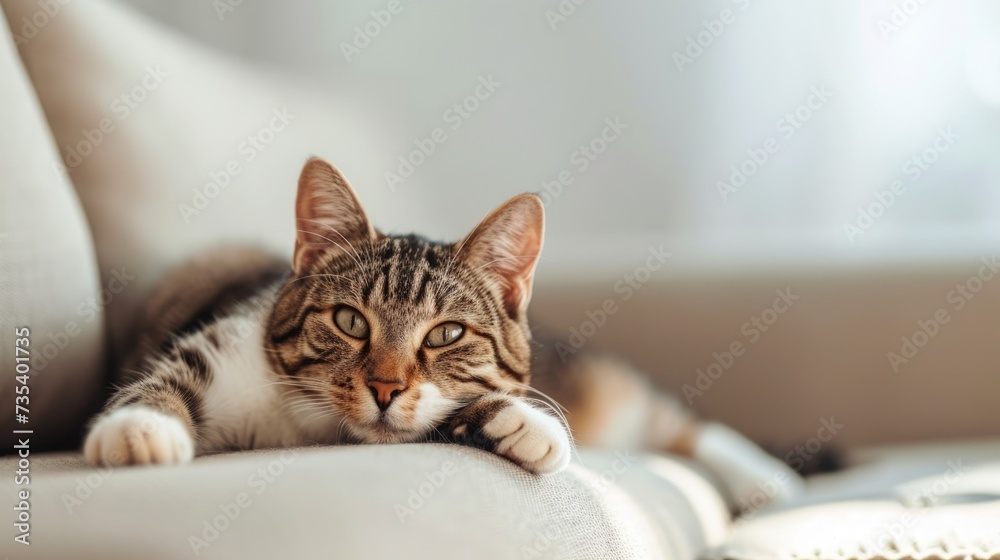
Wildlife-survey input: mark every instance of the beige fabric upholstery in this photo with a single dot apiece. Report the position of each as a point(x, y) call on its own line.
point(859, 530)
point(48, 275)
point(907, 503)
point(345, 502)
point(142, 120)
point(147, 121)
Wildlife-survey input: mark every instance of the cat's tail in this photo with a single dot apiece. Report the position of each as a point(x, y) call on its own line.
point(611, 405)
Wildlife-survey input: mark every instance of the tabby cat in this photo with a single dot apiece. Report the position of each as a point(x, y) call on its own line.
point(374, 338)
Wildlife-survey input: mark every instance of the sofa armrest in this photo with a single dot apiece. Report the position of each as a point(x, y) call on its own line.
point(387, 501)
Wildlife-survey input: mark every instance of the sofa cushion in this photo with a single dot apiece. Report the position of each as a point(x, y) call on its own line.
point(48, 272)
point(859, 530)
point(174, 148)
point(379, 501)
point(910, 502)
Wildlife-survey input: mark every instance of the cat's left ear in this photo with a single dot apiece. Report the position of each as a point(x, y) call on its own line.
point(328, 215)
point(507, 244)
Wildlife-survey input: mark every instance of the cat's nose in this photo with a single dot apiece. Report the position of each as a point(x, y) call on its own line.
point(384, 392)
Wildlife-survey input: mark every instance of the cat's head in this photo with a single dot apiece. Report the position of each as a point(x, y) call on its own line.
point(397, 332)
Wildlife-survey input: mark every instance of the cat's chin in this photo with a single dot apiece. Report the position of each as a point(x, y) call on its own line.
point(380, 432)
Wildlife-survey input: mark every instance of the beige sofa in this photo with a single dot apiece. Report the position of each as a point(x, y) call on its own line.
point(110, 125)
point(417, 501)
point(83, 186)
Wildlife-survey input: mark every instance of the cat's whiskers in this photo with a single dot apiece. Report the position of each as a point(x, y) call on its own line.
point(300, 392)
point(341, 247)
point(320, 415)
point(563, 420)
point(334, 230)
point(340, 429)
point(307, 414)
point(314, 399)
point(436, 431)
point(302, 404)
point(527, 387)
point(494, 261)
point(298, 382)
point(306, 401)
point(457, 250)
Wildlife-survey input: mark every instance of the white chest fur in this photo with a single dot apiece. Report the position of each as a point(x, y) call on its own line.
point(248, 405)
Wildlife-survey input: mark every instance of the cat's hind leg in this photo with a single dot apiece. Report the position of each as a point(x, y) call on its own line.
point(612, 405)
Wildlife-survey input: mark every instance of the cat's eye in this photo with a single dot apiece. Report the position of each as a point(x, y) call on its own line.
point(351, 322)
point(443, 335)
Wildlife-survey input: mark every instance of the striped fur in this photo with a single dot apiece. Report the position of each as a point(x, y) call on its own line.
point(271, 366)
point(241, 351)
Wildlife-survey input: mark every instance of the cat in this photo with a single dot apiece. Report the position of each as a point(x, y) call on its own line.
point(375, 338)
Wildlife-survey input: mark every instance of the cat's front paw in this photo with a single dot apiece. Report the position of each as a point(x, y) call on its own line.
point(138, 435)
point(529, 437)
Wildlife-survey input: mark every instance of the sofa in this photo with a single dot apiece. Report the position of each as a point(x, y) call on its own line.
point(122, 153)
point(443, 501)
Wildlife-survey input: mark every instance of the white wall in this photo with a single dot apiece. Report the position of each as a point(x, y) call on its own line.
point(658, 182)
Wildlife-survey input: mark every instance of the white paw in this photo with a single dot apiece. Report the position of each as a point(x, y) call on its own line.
point(531, 438)
point(138, 435)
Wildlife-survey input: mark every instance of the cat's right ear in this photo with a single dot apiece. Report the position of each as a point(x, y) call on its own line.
point(328, 216)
